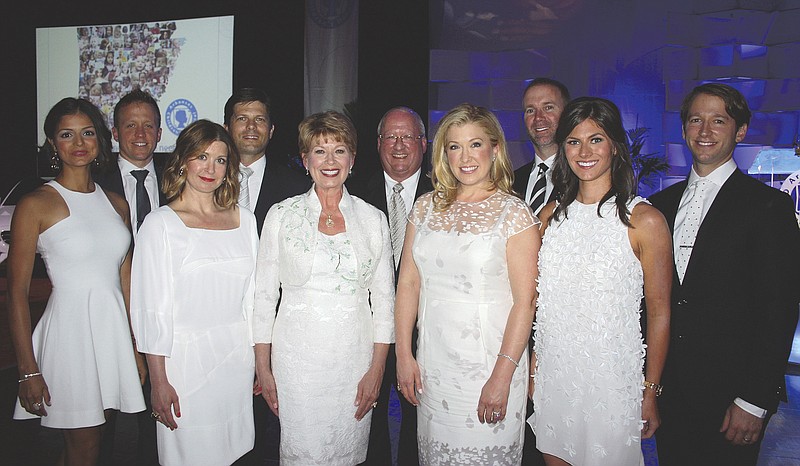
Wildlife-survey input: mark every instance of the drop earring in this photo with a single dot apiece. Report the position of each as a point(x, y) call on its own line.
point(180, 172)
point(55, 162)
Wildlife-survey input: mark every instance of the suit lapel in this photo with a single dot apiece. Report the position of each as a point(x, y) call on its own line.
point(711, 230)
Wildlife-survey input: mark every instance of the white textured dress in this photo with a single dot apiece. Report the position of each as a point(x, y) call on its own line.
point(336, 303)
point(465, 301)
point(191, 301)
point(589, 349)
point(82, 343)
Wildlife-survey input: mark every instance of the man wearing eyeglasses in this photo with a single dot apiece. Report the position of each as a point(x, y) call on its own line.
point(401, 145)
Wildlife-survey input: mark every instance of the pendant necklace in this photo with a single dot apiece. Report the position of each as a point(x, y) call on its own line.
point(329, 221)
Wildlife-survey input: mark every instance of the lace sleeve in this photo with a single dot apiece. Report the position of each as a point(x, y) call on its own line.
point(518, 218)
point(267, 281)
point(420, 209)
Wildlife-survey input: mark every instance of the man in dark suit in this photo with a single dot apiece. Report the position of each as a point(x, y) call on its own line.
point(735, 293)
point(137, 129)
point(137, 176)
point(543, 101)
point(401, 145)
point(248, 119)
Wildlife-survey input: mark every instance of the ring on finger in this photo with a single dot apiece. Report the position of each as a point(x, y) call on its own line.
point(747, 440)
point(399, 388)
point(374, 405)
point(36, 406)
point(155, 415)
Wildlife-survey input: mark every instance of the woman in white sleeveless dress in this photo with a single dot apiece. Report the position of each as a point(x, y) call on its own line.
point(80, 360)
point(192, 301)
point(601, 245)
point(326, 256)
point(468, 279)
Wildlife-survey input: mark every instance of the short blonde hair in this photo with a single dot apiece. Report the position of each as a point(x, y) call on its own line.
point(445, 183)
point(192, 141)
point(330, 124)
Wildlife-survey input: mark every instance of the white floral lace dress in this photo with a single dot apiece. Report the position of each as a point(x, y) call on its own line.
point(465, 300)
point(589, 349)
point(322, 346)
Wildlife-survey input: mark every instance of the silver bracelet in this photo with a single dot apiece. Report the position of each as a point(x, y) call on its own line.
point(29, 376)
point(503, 355)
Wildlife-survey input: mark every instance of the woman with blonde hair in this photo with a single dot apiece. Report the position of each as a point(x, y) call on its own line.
point(192, 302)
point(468, 278)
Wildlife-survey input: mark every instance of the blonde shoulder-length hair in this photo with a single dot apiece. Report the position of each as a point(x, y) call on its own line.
point(445, 184)
point(192, 141)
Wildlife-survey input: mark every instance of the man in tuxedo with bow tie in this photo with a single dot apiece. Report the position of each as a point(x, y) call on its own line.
point(401, 146)
point(735, 293)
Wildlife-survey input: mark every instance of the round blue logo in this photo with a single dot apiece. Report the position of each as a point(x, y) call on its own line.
point(179, 114)
point(330, 14)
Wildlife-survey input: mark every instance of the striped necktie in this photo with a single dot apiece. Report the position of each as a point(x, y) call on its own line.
point(539, 189)
point(244, 189)
point(397, 221)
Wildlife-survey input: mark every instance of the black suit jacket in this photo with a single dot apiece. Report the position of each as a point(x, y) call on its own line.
point(734, 315)
point(521, 176)
point(374, 191)
point(110, 179)
point(280, 182)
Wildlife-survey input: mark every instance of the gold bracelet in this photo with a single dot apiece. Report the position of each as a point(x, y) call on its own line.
point(654, 386)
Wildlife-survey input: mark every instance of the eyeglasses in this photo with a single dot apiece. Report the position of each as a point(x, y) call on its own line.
point(406, 140)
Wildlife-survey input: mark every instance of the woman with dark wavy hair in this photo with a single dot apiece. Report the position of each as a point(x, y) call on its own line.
point(601, 247)
point(79, 364)
point(192, 302)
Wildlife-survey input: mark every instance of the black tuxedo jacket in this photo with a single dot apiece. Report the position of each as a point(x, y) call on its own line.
point(521, 176)
point(280, 182)
point(110, 179)
point(734, 315)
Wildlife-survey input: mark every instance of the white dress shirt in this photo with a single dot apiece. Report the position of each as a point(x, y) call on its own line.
point(129, 185)
point(534, 175)
point(409, 189)
point(717, 178)
point(254, 182)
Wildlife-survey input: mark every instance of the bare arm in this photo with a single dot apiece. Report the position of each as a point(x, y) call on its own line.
point(33, 215)
point(409, 381)
point(163, 396)
point(522, 251)
point(652, 243)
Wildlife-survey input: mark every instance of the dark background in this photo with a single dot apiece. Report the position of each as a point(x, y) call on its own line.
point(267, 53)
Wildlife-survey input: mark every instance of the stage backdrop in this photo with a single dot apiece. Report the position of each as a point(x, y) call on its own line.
point(187, 65)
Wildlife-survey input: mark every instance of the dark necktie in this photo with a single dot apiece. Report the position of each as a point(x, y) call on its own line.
point(142, 199)
point(539, 189)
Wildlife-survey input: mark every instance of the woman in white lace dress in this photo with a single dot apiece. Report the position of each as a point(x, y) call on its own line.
point(467, 277)
point(326, 256)
point(601, 245)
